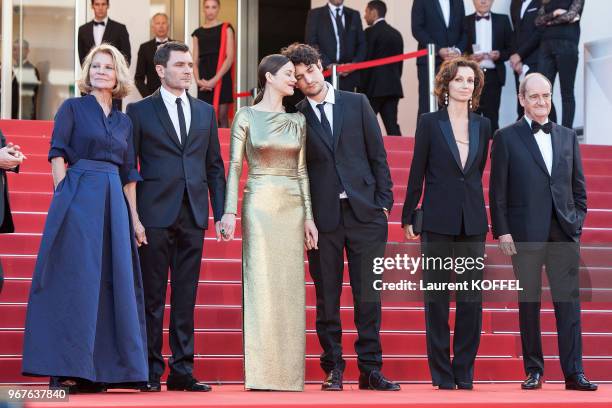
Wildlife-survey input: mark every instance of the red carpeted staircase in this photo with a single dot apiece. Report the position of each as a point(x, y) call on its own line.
point(218, 314)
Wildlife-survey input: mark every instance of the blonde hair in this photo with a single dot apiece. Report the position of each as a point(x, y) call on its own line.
point(124, 82)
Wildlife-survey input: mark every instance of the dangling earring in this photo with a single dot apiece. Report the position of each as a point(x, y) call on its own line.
point(470, 103)
point(445, 99)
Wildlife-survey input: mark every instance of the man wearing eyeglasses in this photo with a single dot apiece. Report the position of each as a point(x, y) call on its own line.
point(538, 203)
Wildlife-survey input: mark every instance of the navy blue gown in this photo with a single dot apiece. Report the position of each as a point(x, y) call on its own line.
point(85, 315)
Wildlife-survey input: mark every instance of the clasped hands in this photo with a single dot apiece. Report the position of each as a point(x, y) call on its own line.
point(11, 156)
point(207, 85)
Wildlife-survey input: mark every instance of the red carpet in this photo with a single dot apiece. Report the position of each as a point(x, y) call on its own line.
point(218, 314)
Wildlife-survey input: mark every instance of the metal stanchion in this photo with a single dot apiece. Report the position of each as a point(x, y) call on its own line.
point(334, 76)
point(431, 71)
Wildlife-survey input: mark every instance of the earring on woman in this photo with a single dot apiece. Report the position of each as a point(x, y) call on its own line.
point(470, 103)
point(445, 98)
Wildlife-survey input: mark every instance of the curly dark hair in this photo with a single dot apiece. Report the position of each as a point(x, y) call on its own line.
point(448, 71)
point(301, 54)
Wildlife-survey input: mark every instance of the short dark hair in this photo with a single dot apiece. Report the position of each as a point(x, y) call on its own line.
point(107, 2)
point(301, 54)
point(162, 55)
point(379, 6)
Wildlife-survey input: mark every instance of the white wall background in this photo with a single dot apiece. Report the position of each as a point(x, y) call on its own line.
point(595, 25)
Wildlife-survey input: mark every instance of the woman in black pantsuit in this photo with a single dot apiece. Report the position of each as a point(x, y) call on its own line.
point(450, 153)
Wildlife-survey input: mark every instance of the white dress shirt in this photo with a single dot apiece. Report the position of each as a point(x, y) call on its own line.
point(446, 10)
point(330, 100)
point(332, 12)
point(524, 7)
point(484, 40)
point(170, 102)
point(544, 142)
point(98, 31)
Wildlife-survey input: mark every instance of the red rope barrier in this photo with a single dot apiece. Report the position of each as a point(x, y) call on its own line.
point(360, 65)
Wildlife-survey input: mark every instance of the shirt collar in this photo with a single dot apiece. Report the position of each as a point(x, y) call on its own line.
point(170, 98)
point(378, 20)
point(528, 120)
point(333, 8)
point(483, 15)
point(330, 97)
point(105, 21)
point(161, 39)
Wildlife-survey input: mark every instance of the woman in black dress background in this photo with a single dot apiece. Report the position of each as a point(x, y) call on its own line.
point(207, 47)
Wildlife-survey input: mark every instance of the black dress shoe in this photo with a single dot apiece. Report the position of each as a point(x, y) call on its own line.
point(151, 386)
point(376, 381)
point(189, 384)
point(579, 382)
point(465, 385)
point(533, 382)
point(333, 381)
point(447, 386)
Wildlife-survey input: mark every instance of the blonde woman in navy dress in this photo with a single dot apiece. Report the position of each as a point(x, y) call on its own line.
point(85, 323)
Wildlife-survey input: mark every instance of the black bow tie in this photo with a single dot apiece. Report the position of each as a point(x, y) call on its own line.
point(158, 43)
point(102, 23)
point(536, 127)
point(479, 17)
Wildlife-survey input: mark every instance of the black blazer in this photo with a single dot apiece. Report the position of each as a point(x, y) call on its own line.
point(526, 36)
point(502, 39)
point(356, 162)
point(146, 78)
point(428, 26)
point(523, 196)
point(383, 41)
point(320, 34)
point(6, 218)
point(115, 34)
point(168, 168)
point(453, 195)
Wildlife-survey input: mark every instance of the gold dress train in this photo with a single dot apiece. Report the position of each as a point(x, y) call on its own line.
point(276, 201)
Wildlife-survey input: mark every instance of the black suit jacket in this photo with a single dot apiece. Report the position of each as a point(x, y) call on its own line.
point(168, 168)
point(502, 39)
point(115, 34)
point(146, 78)
point(523, 196)
point(526, 36)
point(6, 219)
point(320, 34)
point(383, 41)
point(428, 26)
point(355, 162)
point(453, 194)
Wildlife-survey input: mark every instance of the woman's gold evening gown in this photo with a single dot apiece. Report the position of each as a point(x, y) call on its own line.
point(276, 201)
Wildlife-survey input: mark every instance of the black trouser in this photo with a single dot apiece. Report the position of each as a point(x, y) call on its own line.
point(387, 107)
point(468, 316)
point(423, 77)
point(178, 247)
point(562, 257)
point(519, 109)
point(362, 242)
point(490, 98)
point(561, 56)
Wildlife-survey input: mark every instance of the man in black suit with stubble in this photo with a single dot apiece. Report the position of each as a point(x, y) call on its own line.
point(525, 41)
point(351, 193)
point(491, 34)
point(103, 30)
point(336, 31)
point(146, 78)
point(177, 146)
point(383, 85)
point(538, 203)
point(10, 159)
point(438, 22)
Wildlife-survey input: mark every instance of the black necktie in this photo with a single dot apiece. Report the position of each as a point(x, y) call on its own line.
point(325, 123)
point(158, 43)
point(536, 127)
point(486, 17)
point(181, 116)
point(340, 27)
point(99, 23)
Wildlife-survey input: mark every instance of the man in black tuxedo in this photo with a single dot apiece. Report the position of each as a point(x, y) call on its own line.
point(491, 35)
point(176, 143)
point(351, 193)
point(525, 41)
point(146, 78)
point(103, 29)
point(10, 159)
point(537, 199)
point(336, 31)
point(383, 85)
point(438, 22)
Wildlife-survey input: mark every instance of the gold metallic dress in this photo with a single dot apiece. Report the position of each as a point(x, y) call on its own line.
point(276, 201)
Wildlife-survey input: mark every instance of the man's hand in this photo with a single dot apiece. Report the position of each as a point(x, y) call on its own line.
point(506, 244)
point(515, 59)
point(10, 157)
point(494, 55)
point(477, 57)
point(518, 68)
point(139, 232)
point(218, 229)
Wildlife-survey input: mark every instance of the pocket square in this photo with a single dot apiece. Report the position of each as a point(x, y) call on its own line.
point(531, 9)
